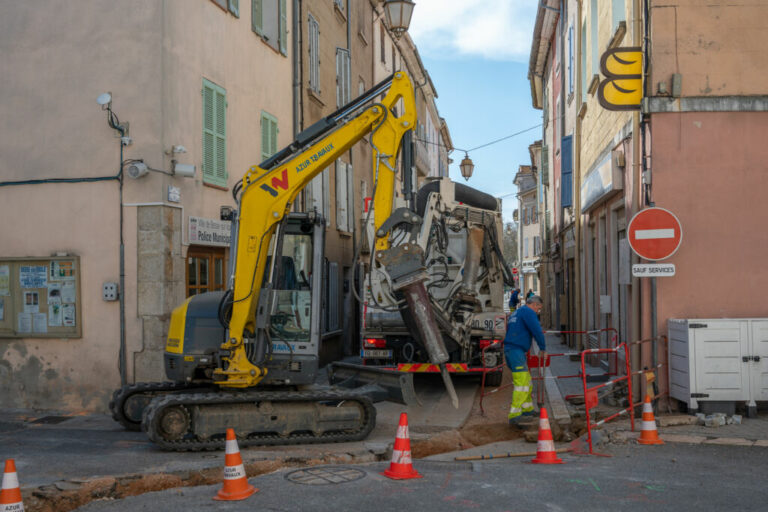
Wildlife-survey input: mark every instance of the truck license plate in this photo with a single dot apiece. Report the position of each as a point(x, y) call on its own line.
point(377, 354)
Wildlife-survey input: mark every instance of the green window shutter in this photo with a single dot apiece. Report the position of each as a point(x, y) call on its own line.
point(268, 135)
point(234, 7)
point(214, 134)
point(221, 136)
point(282, 35)
point(257, 21)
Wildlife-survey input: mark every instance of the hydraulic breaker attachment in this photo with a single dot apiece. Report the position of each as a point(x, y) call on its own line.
point(377, 384)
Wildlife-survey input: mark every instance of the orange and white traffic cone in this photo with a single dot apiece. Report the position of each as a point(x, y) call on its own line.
point(401, 467)
point(545, 449)
point(235, 486)
point(648, 432)
point(10, 495)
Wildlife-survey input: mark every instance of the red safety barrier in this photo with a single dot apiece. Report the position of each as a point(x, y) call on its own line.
point(590, 394)
point(653, 371)
point(533, 363)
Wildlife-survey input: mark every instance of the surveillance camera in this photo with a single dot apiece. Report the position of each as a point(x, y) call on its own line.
point(137, 170)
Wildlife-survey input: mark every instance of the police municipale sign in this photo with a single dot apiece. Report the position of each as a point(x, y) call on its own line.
point(655, 233)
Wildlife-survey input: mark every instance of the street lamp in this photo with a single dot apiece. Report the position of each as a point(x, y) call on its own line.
point(398, 13)
point(466, 167)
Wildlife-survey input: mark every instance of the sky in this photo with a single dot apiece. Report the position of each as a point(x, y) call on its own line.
point(476, 52)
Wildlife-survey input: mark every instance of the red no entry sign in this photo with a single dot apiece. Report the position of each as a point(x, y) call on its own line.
point(655, 233)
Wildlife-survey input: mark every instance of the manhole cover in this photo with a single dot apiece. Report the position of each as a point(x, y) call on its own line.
point(324, 476)
point(51, 420)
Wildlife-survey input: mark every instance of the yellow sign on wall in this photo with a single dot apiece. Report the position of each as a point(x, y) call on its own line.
point(622, 88)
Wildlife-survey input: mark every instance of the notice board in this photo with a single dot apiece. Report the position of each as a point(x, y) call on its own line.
point(40, 297)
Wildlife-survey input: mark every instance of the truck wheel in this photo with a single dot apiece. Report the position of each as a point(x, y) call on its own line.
point(493, 379)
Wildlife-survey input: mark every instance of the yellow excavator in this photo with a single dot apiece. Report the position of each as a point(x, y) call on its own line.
point(248, 358)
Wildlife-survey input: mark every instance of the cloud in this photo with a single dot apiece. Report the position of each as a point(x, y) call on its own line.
point(490, 29)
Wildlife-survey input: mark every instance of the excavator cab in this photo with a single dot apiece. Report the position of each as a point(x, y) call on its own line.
point(197, 332)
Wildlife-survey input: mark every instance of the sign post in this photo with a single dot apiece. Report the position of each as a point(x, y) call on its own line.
point(654, 234)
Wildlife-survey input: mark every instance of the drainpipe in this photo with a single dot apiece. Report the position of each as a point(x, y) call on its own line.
point(123, 356)
point(637, 167)
point(577, 193)
point(298, 125)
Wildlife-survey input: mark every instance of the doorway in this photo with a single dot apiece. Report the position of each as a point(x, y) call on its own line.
point(206, 269)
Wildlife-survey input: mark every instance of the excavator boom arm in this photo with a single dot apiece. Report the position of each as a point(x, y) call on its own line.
point(267, 194)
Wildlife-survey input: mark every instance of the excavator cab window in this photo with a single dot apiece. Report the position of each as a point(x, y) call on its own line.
point(291, 321)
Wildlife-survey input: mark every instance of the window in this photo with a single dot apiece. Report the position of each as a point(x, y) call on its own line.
point(583, 51)
point(618, 14)
point(360, 87)
point(536, 245)
point(269, 20)
point(570, 59)
point(214, 134)
point(382, 34)
point(269, 133)
point(234, 7)
point(314, 55)
point(362, 21)
point(344, 197)
point(206, 270)
point(525, 254)
point(594, 31)
point(566, 171)
point(342, 77)
point(319, 196)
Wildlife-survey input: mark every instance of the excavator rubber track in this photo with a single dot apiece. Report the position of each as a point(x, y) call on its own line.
point(128, 403)
point(198, 421)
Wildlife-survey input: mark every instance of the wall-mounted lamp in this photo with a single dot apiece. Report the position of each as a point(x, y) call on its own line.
point(398, 14)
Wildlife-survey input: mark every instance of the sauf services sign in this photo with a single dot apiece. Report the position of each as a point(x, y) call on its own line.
point(204, 231)
point(654, 234)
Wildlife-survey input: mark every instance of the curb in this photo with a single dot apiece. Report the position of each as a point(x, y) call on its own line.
point(627, 435)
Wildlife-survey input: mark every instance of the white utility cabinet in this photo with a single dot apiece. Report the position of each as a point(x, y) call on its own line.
point(718, 359)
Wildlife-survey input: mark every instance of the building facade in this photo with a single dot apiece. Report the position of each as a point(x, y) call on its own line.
point(186, 80)
point(529, 241)
point(121, 201)
point(674, 147)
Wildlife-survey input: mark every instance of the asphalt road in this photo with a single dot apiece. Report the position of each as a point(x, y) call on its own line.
point(635, 478)
point(82, 447)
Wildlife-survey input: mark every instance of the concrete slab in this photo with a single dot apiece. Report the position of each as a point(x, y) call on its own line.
point(762, 442)
point(501, 447)
point(559, 410)
point(681, 438)
point(731, 441)
point(676, 419)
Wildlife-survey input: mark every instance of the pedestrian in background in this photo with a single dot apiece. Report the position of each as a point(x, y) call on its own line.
point(522, 328)
point(514, 298)
point(530, 294)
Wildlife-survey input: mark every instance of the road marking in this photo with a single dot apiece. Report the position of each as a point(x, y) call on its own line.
point(650, 234)
point(584, 482)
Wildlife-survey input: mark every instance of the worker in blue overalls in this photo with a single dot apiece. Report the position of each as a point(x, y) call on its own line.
point(522, 328)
